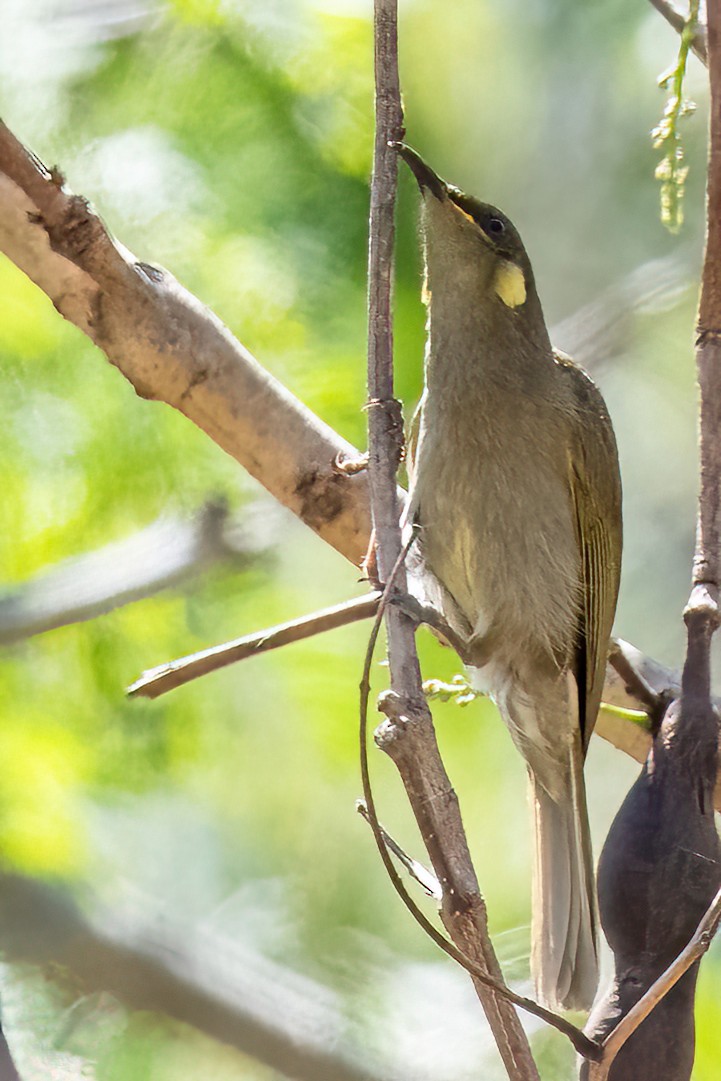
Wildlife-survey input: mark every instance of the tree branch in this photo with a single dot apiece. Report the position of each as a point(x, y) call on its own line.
point(286, 1021)
point(676, 18)
point(409, 739)
point(162, 555)
point(173, 349)
point(166, 677)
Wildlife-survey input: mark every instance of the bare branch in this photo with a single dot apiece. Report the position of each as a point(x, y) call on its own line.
point(410, 741)
point(598, 332)
point(645, 678)
point(289, 1022)
point(425, 878)
point(166, 677)
point(173, 349)
point(632, 678)
point(162, 555)
point(676, 18)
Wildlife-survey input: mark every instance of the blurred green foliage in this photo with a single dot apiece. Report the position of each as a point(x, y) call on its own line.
point(231, 142)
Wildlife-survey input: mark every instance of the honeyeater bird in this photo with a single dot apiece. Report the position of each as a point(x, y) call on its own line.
point(516, 493)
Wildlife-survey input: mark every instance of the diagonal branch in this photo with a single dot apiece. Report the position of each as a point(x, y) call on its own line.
point(291, 1024)
point(677, 19)
point(173, 349)
point(169, 551)
point(695, 950)
point(166, 677)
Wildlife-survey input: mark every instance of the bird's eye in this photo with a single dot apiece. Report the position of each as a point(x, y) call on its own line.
point(495, 225)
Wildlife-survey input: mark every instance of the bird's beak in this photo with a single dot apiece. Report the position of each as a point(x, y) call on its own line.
point(423, 173)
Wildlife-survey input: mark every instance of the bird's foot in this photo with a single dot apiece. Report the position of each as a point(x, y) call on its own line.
point(431, 617)
point(349, 467)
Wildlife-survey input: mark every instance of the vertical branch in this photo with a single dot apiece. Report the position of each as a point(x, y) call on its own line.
point(702, 612)
point(650, 918)
point(708, 355)
point(407, 735)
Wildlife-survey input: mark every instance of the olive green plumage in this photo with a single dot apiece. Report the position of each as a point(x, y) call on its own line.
point(515, 486)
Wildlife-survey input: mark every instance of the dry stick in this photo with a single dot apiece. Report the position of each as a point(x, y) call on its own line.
point(412, 745)
point(425, 878)
point(392, 705)
point(677, 20)
point(632, 689)
point(292, 1025)
point(633, 679)
point(162, 555)
point(166, 677)
point(697, 947)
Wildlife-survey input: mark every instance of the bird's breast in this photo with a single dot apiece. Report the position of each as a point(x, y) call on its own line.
point(490, 491)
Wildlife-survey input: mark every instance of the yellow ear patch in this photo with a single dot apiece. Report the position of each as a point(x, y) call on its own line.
point(510, 284)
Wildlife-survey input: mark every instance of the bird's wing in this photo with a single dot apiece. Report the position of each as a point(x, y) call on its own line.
point(595, 484)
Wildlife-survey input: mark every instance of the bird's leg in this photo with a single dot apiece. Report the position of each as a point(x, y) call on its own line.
point(348, 467)
point(431, 617)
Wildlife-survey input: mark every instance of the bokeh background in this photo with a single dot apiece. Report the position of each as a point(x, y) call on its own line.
point(230, 142)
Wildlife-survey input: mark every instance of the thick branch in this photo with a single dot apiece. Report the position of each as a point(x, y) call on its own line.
point(291, 1024)
point(164, 554)
point(697, 947)
point(173, 349)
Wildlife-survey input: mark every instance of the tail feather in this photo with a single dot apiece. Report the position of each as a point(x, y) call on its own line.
point(564, 956)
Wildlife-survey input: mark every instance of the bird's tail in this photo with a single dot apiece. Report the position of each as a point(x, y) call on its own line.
point(564, 956)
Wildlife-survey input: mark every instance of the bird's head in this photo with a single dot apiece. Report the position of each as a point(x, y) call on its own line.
point(469, 241)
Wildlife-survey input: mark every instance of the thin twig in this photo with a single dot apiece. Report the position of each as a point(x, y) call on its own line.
point(425, 878)
point(696, 948)
point(677, 20)
point(413, 746)
point(166, 677)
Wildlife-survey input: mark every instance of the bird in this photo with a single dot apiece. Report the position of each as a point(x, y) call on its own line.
point(515, 497)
